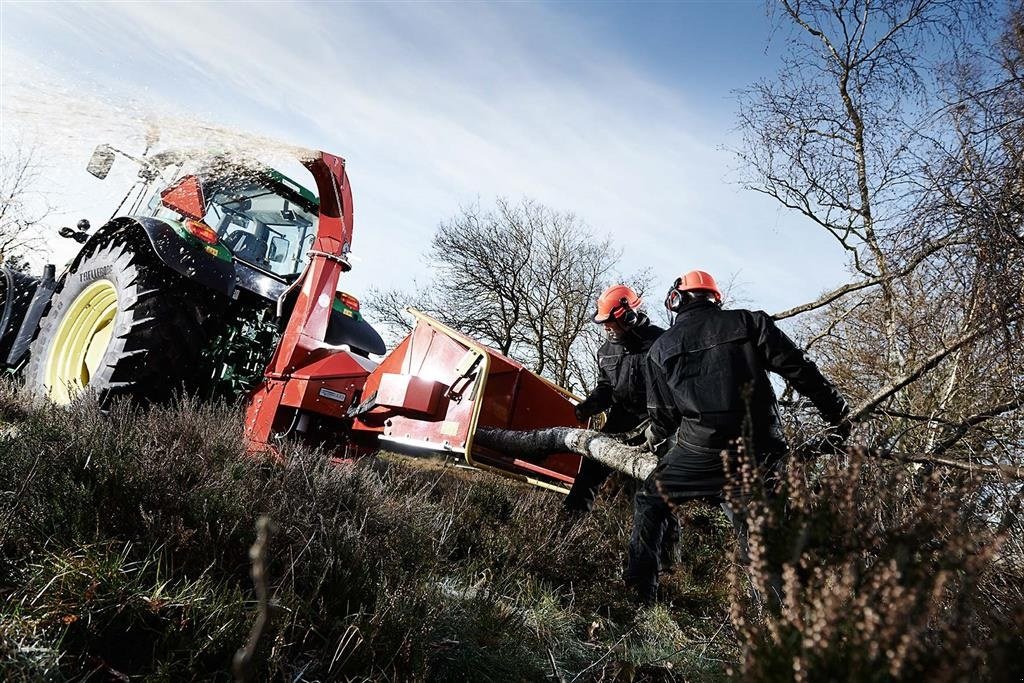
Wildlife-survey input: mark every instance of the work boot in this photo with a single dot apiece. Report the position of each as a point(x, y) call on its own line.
point(670, 557)
point(642, 593)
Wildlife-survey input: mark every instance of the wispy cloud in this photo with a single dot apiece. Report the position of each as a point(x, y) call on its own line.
point(433, 106)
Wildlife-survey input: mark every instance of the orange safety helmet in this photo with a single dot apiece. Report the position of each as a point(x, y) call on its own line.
point(619, 302)
point(694, 281)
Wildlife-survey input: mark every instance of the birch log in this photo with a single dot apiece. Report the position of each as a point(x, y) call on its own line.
point(634, 461)
point(639, 463)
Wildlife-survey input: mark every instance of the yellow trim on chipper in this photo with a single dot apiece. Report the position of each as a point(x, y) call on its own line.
point(481, 385)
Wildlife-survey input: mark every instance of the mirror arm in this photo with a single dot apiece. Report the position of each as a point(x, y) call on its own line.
point(147, 170)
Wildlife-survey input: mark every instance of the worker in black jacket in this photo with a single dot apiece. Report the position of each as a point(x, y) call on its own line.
point(708, 386)
point(620, 386)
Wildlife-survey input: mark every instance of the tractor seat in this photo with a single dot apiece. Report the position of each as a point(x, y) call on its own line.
point(247, 247)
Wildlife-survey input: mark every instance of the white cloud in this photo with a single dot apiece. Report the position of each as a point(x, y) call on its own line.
point(432, 106)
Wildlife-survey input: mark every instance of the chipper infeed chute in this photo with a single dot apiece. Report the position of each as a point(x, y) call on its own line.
point(438, 386)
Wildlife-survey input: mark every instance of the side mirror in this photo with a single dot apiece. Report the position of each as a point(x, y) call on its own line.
point(185, 196)
point(278, 249)
point(101, 161)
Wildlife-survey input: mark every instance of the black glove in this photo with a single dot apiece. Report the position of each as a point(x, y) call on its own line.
point(582, 414)
point(836, 438)
point(843, 429)
point(637, 437)
point(659, 448)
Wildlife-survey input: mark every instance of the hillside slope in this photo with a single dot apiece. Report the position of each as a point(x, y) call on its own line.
point(125, 553)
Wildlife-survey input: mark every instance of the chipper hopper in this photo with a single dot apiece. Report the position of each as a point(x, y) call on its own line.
point(439, 386)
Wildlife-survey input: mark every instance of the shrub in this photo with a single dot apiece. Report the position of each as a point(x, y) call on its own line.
point(125, 552)
point(876, 571)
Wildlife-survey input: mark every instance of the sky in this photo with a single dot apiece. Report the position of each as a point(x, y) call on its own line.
point(622, 113)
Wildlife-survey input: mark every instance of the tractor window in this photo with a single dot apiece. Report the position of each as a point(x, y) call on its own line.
point(260, 225)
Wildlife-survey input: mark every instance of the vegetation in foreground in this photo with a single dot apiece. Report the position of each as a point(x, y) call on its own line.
point(126, 554)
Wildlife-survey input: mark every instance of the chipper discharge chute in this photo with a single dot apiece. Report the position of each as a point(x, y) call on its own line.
point(438, 386)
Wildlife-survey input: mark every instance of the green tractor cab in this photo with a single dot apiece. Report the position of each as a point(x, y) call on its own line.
point(257, 216)
point(189, 290)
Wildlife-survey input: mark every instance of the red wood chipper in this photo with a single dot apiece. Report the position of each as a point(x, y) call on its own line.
point(430, 394)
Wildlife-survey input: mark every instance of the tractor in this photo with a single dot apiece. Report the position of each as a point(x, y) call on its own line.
point(221, 279)
point(179, 293)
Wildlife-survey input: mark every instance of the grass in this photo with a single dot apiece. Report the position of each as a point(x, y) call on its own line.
point(125, 554)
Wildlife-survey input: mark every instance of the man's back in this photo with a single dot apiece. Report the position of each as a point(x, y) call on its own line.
point(708, 377)
point(708, 383)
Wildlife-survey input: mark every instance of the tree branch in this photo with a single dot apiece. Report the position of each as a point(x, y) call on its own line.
point(922, 368)
point(961, 431)
point(839, 292)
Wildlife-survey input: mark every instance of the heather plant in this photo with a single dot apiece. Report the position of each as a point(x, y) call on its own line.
point(876, 571)
point(125, 540)
point(125, 552)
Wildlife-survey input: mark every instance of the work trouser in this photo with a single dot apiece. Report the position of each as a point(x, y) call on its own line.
point(681, 476)
point(583, 493)
point(588, 482)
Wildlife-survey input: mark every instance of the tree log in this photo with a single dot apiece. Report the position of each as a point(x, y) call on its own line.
point(607, 450)
point(638, 462)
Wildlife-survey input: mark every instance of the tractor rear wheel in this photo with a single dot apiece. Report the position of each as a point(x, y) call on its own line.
point(16, 290)
point(120, 323)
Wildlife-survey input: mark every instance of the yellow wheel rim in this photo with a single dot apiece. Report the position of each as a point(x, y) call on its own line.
point(81, 341)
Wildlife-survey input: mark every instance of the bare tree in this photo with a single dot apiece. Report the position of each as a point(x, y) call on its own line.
point(838, 136)
point(883, 131)
point(22, 209)
point(896, 126)
point(520, 277)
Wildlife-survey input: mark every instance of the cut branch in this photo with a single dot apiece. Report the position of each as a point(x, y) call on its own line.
point(639, 463)
point(634, 461)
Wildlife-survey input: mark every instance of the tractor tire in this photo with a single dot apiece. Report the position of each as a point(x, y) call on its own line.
point(120, 323)
point(16, 290)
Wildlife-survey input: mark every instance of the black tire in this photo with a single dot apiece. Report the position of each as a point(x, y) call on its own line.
point(16, 290)
point(158, 330)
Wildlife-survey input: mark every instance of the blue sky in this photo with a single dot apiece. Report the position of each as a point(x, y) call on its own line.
point(619, 112)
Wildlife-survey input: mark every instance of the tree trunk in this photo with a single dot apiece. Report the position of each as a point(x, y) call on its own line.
point(634, 461)
point(638, 462)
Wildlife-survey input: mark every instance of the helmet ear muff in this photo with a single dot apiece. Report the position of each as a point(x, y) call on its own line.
point(629, 317)
point(674, 299)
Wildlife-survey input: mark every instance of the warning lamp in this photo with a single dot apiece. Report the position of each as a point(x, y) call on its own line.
point(201, 230)
point(350, 301)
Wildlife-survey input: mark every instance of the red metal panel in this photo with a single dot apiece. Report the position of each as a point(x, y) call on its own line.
point(480, 387)
point(409, 393)
point(327, 386)
point(433, 357)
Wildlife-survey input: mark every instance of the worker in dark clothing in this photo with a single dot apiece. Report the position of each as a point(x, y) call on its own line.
point(620, 386)
point(708, 386)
